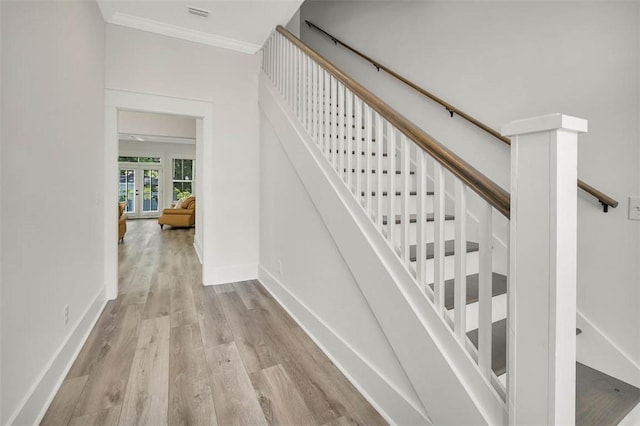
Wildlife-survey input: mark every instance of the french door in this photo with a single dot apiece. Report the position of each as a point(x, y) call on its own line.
point(140, 188)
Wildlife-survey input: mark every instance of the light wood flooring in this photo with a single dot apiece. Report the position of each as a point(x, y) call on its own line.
point(170, 351)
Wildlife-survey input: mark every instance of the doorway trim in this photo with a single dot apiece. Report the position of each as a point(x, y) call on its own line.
point(119, 100)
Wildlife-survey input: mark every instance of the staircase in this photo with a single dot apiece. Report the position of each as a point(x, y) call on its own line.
point(438, 222)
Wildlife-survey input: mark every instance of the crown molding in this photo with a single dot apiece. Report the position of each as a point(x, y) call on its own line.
point(169, 30)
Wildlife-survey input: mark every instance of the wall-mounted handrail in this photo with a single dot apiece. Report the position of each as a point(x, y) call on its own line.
point(602, 198)
point(482, 185)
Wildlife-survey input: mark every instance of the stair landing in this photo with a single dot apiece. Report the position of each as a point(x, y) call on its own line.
point(601, 400)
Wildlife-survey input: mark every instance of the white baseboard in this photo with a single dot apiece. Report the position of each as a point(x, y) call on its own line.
point(381, 394)
point(234, 273)
point(33, 407)
point(596, 350)
point(197, 245)
point(632, 419)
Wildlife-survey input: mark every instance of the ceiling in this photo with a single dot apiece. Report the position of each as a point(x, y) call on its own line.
point(232, 24)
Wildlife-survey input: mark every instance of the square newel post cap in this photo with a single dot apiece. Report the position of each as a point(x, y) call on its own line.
point(545, 123)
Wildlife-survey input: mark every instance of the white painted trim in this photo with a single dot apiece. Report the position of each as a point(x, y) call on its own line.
point(131, 101)
point(631, 419)
point(381, 394)
point(131, 137)
point(545, 123)
point(183, 33)
point(596, 350)
point(34, 405)
point(197, 246)
point(233, 273)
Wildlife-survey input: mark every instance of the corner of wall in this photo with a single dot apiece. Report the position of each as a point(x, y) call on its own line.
point(596, 350)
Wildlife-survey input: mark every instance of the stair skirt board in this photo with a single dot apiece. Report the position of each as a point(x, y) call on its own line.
point(388, 401)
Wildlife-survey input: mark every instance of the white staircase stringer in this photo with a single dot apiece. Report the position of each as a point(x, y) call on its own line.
point(444, 376)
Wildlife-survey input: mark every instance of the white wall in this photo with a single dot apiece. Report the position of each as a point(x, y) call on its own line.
point(52, 239)
point(501, 61)
point(294, 24)
point(302, 265)
point(149, 63)
point(167, 152)
point(144, 123)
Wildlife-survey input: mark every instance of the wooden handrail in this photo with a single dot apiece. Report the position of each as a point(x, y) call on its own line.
point(482, 185)
point(603, 199)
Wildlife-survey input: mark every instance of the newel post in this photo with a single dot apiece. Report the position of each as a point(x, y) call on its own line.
point(542, 270)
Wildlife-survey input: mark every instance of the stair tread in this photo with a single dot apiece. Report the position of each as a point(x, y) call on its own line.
point(449, 249)
point(498, 345)
point(499, 286)
point(373, 153)
point(398, 193)
point(412, 218)
point(384, 172)
point(602, 399)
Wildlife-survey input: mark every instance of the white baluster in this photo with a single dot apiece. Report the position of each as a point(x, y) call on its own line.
point(405, 166)
point(379, 166)
point(304, 88)
point(460, 272)
point(285, 69)
point(280, 65)
point(314, 101)
point(309, 85)
point(350, 145)
point(340, 133)
point(294, 94)
point(391, 199)
point(333, 131)
point(291, 75)
point(438, 244)
point(288, 62)
point(421, 218)
point(485, 288)
point(327, 115)
point(302, 100)
point(368, 131)
point(271, 53)
point(294, 79)
point(358, 150)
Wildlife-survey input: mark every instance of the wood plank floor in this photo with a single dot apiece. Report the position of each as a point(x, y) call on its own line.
point(169, 351)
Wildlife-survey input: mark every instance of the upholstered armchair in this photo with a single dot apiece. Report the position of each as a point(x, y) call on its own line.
point(183, 215)
point(122, 221)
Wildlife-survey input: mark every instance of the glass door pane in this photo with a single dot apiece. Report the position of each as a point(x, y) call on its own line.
point(150, 190)
point(127, 190)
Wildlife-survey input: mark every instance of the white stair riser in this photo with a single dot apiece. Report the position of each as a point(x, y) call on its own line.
point(449, 265)
point(399, 201)
point(386, 181)
point(498, 311)
point(449, 232)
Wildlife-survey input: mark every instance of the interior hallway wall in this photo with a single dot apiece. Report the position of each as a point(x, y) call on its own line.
point(52, 237)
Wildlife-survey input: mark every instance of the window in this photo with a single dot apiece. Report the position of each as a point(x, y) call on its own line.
point(128, 159)
point(183, 171)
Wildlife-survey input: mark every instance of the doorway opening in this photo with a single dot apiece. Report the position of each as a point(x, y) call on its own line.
point(149, 169)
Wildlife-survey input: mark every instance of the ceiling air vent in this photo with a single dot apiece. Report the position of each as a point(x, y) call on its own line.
point(198, 12)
